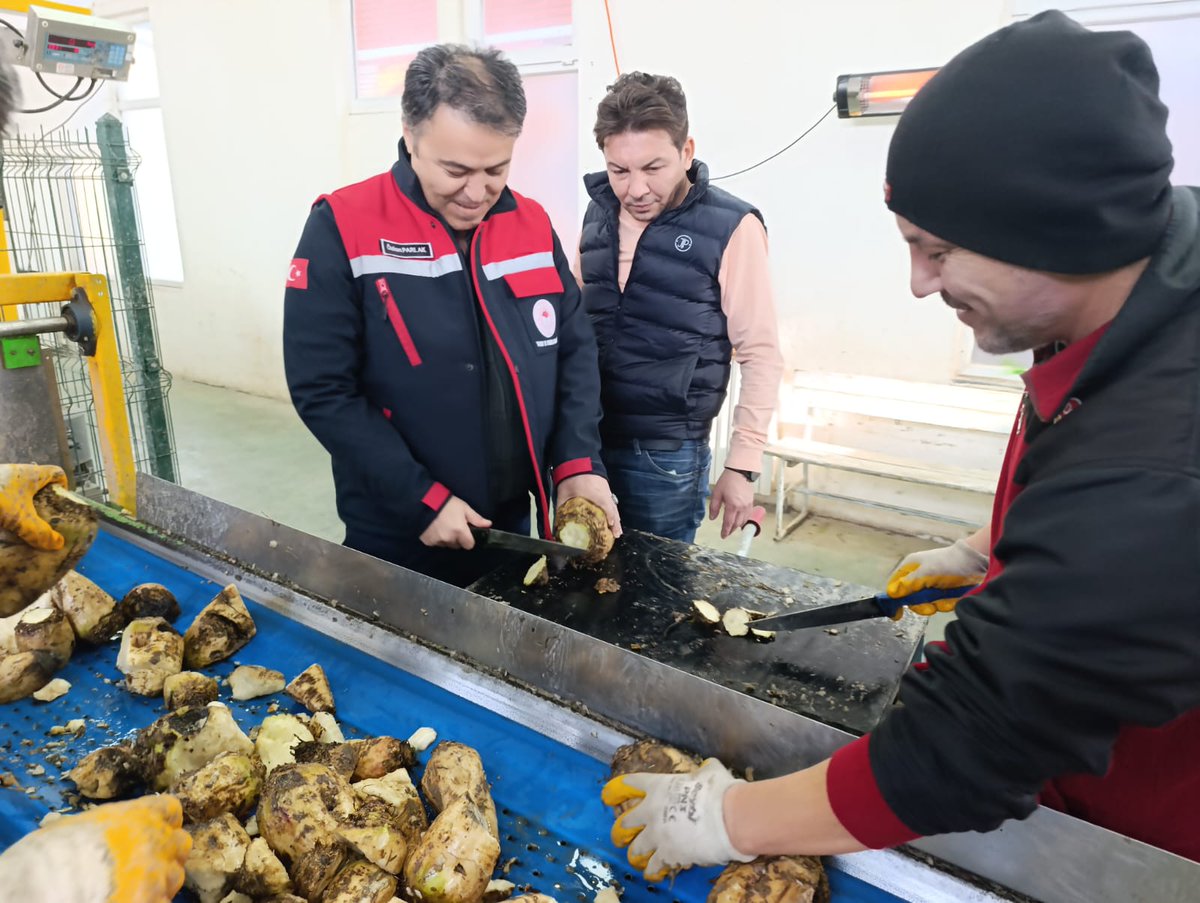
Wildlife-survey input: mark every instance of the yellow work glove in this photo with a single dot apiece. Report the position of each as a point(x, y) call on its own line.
point(951, 567)
point(677, 822)
point(131, 852)
point(19, 483)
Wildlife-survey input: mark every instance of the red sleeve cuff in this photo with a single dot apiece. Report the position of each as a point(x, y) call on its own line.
point(436, 497)
point(856, 801)
point(572, 468)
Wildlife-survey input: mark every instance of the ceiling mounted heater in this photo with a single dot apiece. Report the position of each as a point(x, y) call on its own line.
point(878, 93)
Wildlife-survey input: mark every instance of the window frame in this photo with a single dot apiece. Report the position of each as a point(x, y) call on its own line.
point(461, 21)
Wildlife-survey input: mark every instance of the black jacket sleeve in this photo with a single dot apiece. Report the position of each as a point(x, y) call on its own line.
point(576, 434)
point(322, 355)
point(1094, 623)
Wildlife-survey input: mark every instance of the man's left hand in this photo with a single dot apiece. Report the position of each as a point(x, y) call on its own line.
point(735, 494)
point(678, 820)
point(129, 852)
point(594, 488)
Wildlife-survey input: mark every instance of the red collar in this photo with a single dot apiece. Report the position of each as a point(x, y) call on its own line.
point(1050, 379)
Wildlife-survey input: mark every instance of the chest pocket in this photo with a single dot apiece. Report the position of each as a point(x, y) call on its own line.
point(536, 294)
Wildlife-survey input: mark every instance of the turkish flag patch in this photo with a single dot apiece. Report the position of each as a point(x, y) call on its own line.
point(298, 274)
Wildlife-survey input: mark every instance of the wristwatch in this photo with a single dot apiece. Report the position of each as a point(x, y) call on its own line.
point(750, 475)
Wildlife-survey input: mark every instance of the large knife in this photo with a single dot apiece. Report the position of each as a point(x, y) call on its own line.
point(880, 605)
point(516, 542)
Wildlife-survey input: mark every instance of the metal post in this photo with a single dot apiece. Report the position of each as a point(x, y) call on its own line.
point(118, 185)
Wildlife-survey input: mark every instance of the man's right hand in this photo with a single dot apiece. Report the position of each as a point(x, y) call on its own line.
point(19, 483)
point(959, 565)
point(451, 529)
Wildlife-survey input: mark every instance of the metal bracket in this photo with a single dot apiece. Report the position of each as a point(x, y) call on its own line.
point(17, 352)
point(81, 323)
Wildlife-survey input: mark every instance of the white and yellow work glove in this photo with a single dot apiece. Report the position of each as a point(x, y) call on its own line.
point(131, 852)
point(19, 483)
point(677, 820)
point(950, 567)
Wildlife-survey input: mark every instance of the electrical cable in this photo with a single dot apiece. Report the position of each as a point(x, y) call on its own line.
point(62, 98)
point(612, 39)
point(778, 152)
point(91, 92)
point(70, 95)
point(59, 98)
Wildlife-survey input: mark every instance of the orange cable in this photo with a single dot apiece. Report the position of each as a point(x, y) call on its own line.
point(612, 40)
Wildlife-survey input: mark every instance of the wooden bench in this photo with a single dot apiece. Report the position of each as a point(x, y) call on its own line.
point(986, 413)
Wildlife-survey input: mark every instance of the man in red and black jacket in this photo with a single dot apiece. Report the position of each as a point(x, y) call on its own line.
point(1031, 180)
point(434, 339)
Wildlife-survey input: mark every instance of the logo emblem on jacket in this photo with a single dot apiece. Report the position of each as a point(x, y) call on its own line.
point(1073, 404)
point(407, 250)
point(683, 243)
point(545, 319)
point(298, 274)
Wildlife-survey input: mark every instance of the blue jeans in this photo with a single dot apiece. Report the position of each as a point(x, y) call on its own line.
point(660, 492)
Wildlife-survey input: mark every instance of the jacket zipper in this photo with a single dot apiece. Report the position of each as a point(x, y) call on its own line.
point(392, 313)
point(512, 370)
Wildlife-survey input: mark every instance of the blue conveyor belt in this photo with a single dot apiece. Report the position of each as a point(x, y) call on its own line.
point(547, 795)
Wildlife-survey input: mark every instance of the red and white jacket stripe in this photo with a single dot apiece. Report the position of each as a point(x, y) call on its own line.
point(384, 356)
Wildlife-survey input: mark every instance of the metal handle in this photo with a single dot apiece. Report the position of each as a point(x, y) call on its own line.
point(39, 326)
point(890, 605)
point(76, 323)
point(750, 529)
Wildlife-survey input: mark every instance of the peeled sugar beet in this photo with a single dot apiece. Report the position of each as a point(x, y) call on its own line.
point(46, 630)
point(454, 860)
point(775, 879)
point(94, 614)
point(311, 689)
point(455, 770)
point(151, 651)
point(583, 524)
point(185, 740)
point(222, 628)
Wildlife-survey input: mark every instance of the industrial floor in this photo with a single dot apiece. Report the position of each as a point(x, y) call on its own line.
point(254, 453)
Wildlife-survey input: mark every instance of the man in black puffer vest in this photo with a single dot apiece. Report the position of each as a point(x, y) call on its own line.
point(675, 278)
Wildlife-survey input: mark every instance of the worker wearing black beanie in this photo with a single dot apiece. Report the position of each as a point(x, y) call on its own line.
point(1030, 179)
point(1042, 145)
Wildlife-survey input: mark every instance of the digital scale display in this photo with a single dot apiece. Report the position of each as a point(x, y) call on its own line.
point(63, 49)
point(69, 45)
point(61, 42)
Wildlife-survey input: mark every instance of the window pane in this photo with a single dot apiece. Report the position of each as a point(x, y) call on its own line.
point(527, 24)
point(545, 162)
point(387, 35)
point(156, 205)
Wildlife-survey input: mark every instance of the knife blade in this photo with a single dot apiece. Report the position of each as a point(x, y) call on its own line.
point(880, 605)
point(530, 544)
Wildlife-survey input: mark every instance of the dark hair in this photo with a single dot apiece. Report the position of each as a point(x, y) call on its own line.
point(479, 82)
point(639, 102)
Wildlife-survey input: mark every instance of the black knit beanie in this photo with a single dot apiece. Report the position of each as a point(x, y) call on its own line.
point(1043, 145)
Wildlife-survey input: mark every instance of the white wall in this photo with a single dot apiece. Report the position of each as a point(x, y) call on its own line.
point(254, 107)
point(257, 128)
